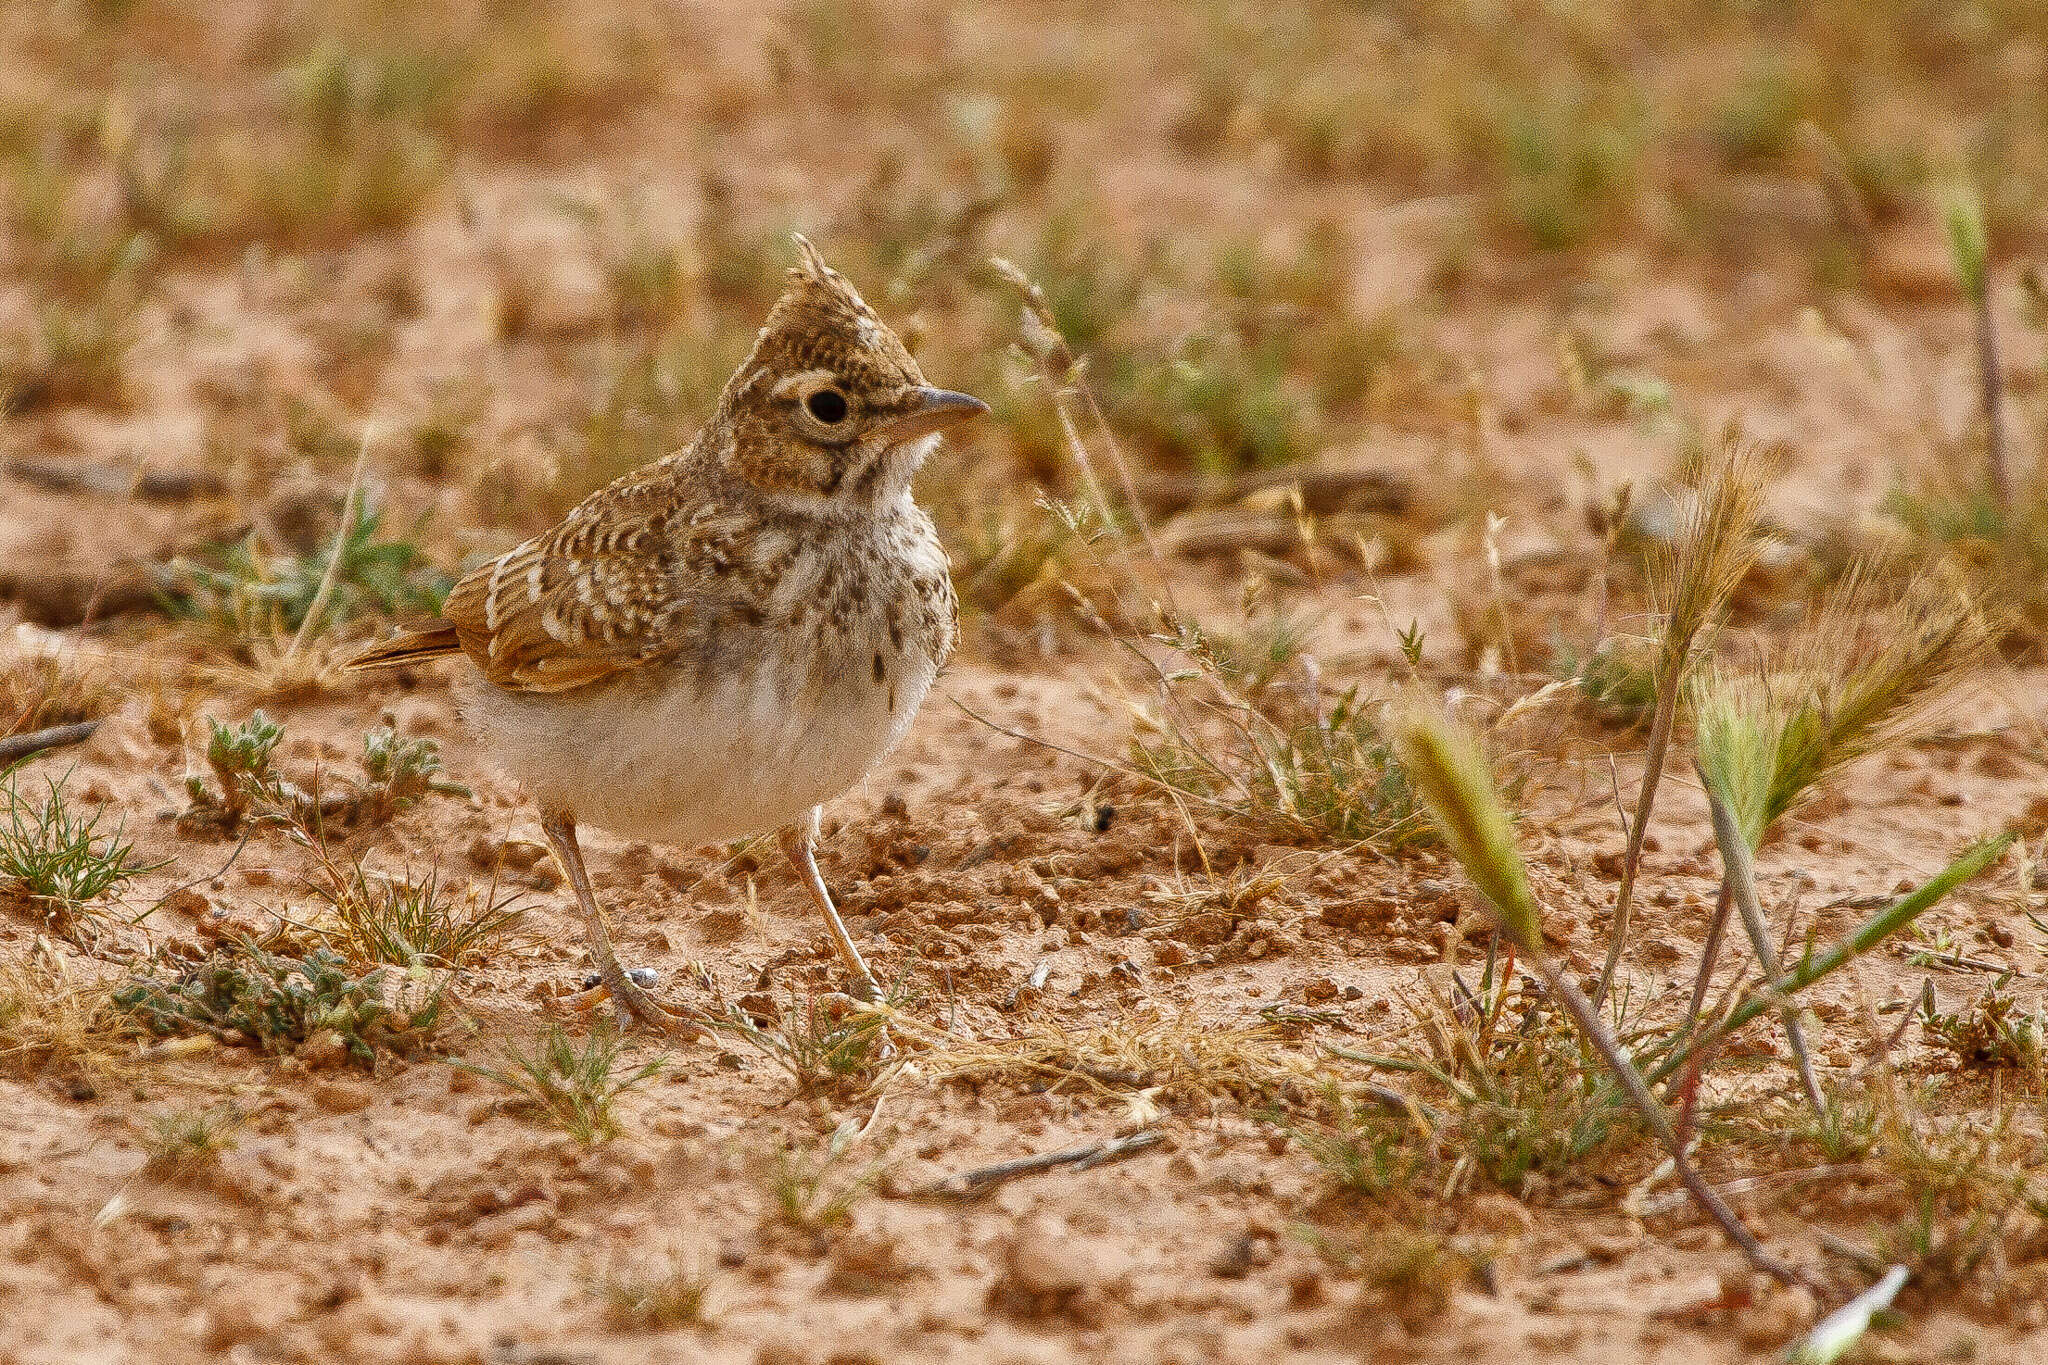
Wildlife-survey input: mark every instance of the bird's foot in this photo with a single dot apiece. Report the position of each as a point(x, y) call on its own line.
point(627, 991)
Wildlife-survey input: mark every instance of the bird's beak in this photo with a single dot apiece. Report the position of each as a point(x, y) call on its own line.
point(928, 410)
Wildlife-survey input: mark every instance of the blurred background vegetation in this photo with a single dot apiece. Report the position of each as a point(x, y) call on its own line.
point(528, 242)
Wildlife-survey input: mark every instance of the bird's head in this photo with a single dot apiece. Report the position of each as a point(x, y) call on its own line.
point(829, 408)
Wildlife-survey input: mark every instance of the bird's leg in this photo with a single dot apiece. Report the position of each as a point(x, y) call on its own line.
point(634, 1003)
point(798, 842)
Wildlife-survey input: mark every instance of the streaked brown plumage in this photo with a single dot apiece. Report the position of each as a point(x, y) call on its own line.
point(719, 641)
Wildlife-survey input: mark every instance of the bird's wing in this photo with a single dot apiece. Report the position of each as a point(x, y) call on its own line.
point(597, 595)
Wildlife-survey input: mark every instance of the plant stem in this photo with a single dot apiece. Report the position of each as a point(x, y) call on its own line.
point(1991, 380)
point(1873, 931)
point(1710, 951)
point(1653, 772)
point(1740, 878)
point(1587, 1016)
point(350, 505)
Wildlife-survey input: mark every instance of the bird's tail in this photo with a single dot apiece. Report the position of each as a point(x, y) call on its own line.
point(408, 647)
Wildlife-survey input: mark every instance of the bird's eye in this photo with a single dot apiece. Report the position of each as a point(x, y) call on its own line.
point(828, 406)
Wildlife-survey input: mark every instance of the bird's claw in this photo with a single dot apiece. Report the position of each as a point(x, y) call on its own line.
point(636, 1007)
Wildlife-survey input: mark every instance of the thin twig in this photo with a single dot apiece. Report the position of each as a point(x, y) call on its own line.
point(974, 1184)
point(15, 748)
point(1958, 961)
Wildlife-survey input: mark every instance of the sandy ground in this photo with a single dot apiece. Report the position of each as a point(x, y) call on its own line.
point(409, 1214)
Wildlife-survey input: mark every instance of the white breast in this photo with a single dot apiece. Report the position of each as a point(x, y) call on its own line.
point(654, 757)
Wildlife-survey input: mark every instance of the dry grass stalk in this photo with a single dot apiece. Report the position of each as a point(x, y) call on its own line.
point(50, 687)
point(1449, 772)
point(1161, 1057)
point(1697, 572)
point(1064, 372)
point(1970, 252)
point(1869, 670)
point(53, 1020)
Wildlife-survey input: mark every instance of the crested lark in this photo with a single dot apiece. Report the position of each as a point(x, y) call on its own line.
point(722, 640)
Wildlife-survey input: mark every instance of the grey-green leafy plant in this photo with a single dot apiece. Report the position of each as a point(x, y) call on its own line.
point(1994, 1032)
point(399, 772)
point(239, 757)
point(247, 997)
point(246, 586)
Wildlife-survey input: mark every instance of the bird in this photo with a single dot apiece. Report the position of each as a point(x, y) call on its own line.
point(722, 640)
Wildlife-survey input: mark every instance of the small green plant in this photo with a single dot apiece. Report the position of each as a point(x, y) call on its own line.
point(409, 922)
point(181, 1141)
point(399, 772)
point(87, 281)
point(576, 1090)
point(824, 1044)
point(659, 1295)
point(245, 996)
point(239, 757)
point(1280, 759)
point(78, 353)
point(1993, 1033)
point(56, 856)
point(1950, 1193)
point(1874, 662)
point(1450, 772)
point(813, 1193)
point(1695, 572)
point(1366, 1150)
point(1524, 1096)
